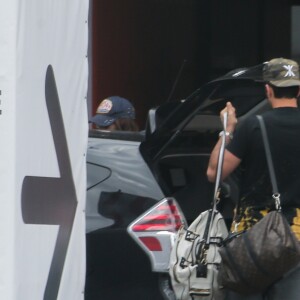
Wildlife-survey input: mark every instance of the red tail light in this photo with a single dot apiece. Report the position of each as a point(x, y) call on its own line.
point(155, 232)
point(152, 243)
point(164, 217)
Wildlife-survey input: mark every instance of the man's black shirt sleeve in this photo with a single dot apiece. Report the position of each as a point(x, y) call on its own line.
point(240, 142)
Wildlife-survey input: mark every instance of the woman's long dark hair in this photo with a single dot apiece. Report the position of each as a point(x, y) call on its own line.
point(126, 125)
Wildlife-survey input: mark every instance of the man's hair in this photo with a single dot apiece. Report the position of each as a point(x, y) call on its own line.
point(285, 92)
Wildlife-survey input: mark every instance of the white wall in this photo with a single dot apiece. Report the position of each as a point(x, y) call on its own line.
point(43, 133)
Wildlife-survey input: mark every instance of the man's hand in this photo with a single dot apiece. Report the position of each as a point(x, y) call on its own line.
point(231, 119)
point(230, 161)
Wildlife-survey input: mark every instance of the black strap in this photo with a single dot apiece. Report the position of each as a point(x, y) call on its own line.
point(268, 154)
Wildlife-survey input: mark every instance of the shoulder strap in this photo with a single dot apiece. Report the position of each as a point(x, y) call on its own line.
point(276, 194)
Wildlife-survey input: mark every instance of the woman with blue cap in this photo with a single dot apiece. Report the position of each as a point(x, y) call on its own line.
point(115, 113)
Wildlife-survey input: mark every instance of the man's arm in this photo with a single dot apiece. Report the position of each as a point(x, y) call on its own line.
point(230, 162)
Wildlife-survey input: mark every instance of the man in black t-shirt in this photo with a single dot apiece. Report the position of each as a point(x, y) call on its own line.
point(245, 149)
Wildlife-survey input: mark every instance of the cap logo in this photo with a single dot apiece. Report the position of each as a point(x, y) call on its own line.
point(104, 107)
point(289, 72)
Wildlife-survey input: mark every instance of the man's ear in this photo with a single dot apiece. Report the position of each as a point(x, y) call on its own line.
point(269, 91)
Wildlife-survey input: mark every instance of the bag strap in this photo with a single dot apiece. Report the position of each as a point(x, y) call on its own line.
point(218, 180)
point(212, 212)
point(276, 194)
point(220, 163)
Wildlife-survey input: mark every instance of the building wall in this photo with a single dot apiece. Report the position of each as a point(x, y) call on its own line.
point(140, 47)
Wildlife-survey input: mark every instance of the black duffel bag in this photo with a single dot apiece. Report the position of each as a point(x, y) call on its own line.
point(255, 259)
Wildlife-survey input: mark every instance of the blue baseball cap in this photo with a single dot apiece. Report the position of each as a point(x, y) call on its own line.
point(111, 109)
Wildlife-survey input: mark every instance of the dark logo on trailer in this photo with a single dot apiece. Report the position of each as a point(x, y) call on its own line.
point(53, 201)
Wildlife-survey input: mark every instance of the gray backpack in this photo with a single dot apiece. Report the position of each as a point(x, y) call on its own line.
point(195, 260)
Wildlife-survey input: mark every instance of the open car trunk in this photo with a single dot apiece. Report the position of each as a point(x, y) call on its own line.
point(181, 135)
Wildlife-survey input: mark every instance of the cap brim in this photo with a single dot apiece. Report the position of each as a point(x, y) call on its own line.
point(285, 83)
point(102, 120)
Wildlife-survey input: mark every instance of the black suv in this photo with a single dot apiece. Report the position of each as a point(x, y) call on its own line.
point(142, 186)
